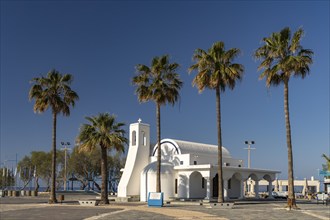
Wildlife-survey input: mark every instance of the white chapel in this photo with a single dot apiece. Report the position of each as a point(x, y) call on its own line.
point(188, 169)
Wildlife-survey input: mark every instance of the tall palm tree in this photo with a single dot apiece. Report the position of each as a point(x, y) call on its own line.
point(282, 57)
point(217, 72)
point(159, 83)
point(104, 132)
point(53, 91)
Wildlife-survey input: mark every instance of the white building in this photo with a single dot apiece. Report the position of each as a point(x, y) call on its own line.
point(188, 169)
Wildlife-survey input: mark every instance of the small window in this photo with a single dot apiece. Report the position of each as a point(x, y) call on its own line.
point(229, 184)
point(133, 138)
point(195, 162)
point(239, 165)
point(181, 162)
point(176, 186)
point(203, 182)
point(144, 139)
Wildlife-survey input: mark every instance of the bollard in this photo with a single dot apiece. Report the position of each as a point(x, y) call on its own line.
point(61, 198)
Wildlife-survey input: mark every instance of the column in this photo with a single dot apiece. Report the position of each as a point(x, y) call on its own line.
point(208, 188)
point(270, 186)
point(242, 191)
point(256, 189)
point(225, 189)
point(251, 191)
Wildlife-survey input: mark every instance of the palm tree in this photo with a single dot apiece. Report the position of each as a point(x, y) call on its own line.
point(161, 84)
point(217, 72)
point(104, 132)
point(53, 91)
point(327, 161)
point(282, 57)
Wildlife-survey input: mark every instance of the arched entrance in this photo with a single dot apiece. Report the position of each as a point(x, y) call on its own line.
point(215, 186)
point(197, 186)
point(235, 186)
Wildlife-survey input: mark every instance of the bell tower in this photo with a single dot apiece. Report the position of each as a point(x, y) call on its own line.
point(137, 158)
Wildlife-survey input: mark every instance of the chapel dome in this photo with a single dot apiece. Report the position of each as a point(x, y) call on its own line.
point(172, 147)
point(166, 167)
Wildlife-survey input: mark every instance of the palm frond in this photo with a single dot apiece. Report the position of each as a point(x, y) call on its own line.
point(282, 56)
point(215, 67)
point(53, 91)
point(159, 83)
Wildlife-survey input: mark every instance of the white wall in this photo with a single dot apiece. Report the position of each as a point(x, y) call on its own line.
point(148, 181)
point(137, 159)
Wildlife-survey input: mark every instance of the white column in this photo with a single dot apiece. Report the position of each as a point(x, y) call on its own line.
point(225, 189)
point(270, 186)
point(208, 188)
point(242, 191)
point(256, 190)
point(251, 191)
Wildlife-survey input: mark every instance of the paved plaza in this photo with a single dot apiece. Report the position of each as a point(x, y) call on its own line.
point(37, 208)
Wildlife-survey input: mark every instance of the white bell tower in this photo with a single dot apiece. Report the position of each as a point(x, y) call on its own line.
point(137, 158)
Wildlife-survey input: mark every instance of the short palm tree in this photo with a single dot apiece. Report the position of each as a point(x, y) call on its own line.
point(327, 161)
point(282, 57)
point(216, 71)
point(104, 132)
point(159, 83)
point(53, 91)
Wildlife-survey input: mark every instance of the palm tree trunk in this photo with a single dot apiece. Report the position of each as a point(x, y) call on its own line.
point(104, 174)
point(36, 188)
point(291, 196)
point(220, 174)
point(158, 183)
point(52, 198)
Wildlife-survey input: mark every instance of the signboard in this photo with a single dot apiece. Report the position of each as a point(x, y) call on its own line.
point(325, 172)
point(155, 199)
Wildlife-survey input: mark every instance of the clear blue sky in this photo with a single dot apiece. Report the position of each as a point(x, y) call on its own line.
point(100, 42)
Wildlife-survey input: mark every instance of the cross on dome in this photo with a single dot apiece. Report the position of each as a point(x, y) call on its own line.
point(140, 120)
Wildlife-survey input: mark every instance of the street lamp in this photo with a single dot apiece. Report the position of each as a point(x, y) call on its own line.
point(65, 148)
point(249, 151)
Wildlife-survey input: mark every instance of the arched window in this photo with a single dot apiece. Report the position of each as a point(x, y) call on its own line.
point(144, 139)
point(133, 138)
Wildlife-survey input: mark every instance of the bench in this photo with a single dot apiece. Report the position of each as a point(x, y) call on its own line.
point(225, 205)
point(89, 202)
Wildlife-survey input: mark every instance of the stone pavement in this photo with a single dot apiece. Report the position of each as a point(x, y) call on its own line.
point(37, 208)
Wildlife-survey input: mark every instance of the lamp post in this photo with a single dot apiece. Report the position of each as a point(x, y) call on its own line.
point(249, 148)
point(14, 171)
point(65, 148)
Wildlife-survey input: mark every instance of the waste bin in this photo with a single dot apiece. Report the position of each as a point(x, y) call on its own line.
point(15, 193)
point(61, 198)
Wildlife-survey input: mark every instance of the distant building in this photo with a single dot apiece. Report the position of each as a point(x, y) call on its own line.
point(327, 184)
point(280, 185)
point(188, 170)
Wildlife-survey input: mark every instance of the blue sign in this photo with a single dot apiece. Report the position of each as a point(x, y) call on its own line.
point(325, 172)
point(155, 199)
